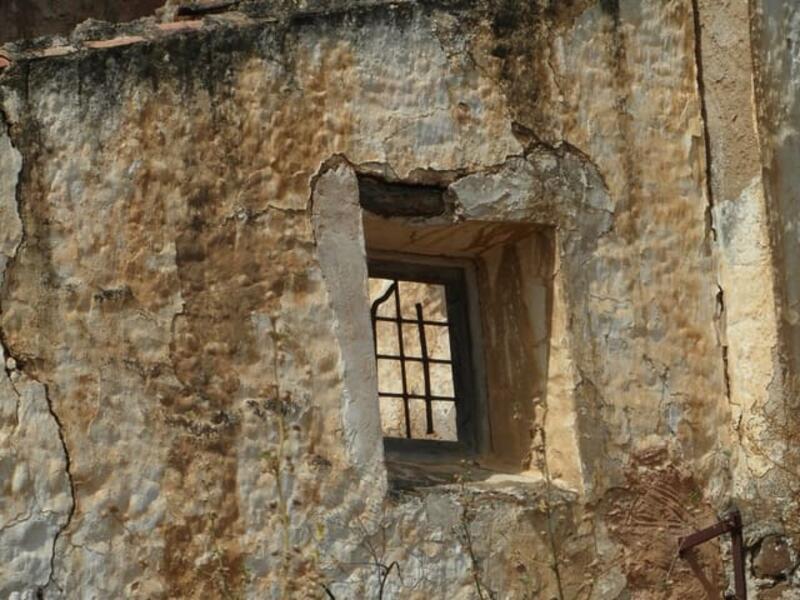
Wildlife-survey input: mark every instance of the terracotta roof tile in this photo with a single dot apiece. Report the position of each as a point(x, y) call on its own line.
point(180, 25)
point(124, 40)
point(54, 51)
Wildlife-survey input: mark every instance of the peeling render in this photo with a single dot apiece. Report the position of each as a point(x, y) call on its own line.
point(10, 223)
point(187, 396)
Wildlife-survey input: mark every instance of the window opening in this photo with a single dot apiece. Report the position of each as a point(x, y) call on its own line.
point(421, 339)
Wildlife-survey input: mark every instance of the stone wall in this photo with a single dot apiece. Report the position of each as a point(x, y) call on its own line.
point(188, 394)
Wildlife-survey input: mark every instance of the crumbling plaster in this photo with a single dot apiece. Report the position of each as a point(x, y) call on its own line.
point(747, 321)
point(185, 361)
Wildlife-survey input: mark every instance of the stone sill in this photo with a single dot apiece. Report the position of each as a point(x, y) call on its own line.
point(419, 475)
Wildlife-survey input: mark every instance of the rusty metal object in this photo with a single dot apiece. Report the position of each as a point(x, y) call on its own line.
point(732, 524)
point(426, 370)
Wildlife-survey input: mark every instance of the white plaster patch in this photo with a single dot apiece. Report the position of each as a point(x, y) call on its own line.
point(506, 192)
point(751, 329)
point(10, 223)
point(340, 239)
point(31, 455)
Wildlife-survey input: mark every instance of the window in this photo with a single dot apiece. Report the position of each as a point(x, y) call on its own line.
point(513, 306)
point(421, 331)
point(499, 334)
point(485, 290)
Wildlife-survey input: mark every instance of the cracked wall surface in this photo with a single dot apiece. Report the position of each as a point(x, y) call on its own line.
point(188, 387)
point(37, 495)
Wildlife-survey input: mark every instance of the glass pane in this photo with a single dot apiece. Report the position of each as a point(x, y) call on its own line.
point(442, 380)
point(390, 377)
point(418, 421)
point(415, 378)
point(377, 287)
point(430, 295)
point(444, 421)
point(411, 345)
point(387, 338)
point(438, 340)
point(393, 421)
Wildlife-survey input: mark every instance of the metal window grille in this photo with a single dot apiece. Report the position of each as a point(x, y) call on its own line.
point(392, 294)
point(433, 387)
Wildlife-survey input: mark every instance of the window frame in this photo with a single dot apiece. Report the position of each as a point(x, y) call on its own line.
point(459, 279)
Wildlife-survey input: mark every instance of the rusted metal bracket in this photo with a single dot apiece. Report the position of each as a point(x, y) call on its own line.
point(732, 524)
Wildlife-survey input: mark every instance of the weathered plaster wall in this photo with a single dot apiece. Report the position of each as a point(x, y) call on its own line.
point(187, 398)
point(775, 28)
point(748, 323)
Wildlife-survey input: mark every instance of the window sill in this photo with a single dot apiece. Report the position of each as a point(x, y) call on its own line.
point(412, 473)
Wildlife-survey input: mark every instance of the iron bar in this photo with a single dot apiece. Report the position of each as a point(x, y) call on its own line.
point(417, 396)
point(426, 375)
point(737, 549)
point(433, 361)
point(411, 321)
point(401, 352)
point(732, 523)
point(373, 312)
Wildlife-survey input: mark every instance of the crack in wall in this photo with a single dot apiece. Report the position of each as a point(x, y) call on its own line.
point(722, 339)
point(548, 507)
point(701, 91)
point(70, 480)
point(531, 141)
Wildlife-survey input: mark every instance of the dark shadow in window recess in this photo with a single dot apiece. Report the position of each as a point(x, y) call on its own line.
point(461, 327)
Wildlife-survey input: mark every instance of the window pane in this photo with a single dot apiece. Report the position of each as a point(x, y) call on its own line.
point(393, 421)
point(442, 380)
point(431, 296)
point(438, 339)
point(390, 377)
point(377, 287)
point(415, 378)
point(411, 345)
point(387, 338)
point(418, 421)
point(444, 421)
